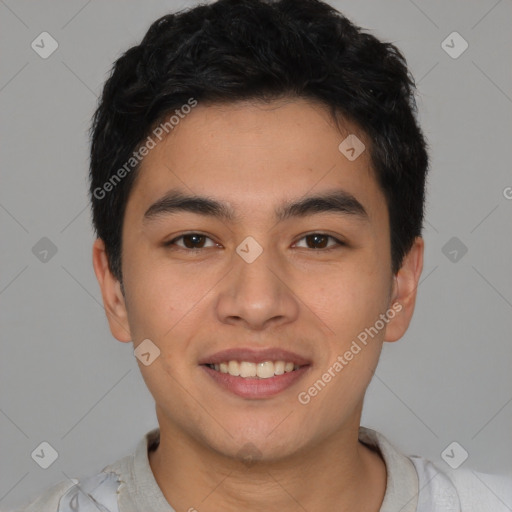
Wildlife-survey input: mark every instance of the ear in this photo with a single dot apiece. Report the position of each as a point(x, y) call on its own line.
point(403, 297)
point(113, 299)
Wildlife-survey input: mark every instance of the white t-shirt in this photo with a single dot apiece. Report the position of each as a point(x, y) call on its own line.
point(414, 484)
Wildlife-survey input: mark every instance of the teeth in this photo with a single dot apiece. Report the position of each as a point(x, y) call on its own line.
point(234, 368)
point(279, 367)
point(247, 369)
point(264, 370)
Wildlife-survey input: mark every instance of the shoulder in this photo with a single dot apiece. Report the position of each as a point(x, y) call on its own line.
point(461, 489)
point(48, 501)
point(103, 490)
point(79, 495)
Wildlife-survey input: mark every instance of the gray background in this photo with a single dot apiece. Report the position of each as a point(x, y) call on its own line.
point(67, 381)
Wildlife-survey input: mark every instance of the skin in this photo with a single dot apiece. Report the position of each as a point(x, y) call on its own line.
point(294, 296)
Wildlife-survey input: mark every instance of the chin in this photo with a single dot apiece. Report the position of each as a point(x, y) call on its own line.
point(266, 443)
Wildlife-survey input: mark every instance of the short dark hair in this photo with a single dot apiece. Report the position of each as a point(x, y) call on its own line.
point(234, 50)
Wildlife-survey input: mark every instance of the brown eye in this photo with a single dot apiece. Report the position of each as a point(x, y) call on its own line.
point(320, 241)
point(191, 241)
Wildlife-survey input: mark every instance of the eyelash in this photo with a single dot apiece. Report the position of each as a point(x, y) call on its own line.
point(338, 243)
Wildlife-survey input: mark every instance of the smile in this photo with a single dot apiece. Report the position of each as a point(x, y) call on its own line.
point(247, 370)
point(248, 383)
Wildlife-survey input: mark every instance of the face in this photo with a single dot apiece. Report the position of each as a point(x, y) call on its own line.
point(280, 260)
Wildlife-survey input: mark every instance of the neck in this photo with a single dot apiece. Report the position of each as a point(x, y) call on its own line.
point(340, 473)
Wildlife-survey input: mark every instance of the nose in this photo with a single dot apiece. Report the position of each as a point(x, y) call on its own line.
point(257, 295)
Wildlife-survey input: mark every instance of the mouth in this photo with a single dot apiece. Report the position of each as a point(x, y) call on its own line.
point(255, 374)
point(249, 370)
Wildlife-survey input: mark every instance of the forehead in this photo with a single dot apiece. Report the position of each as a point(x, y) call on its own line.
point(255, 155)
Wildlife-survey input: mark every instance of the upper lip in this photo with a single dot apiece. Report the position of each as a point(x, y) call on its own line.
point(254, 356)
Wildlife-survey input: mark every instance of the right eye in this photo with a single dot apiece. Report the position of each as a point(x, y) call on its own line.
point(191, 241)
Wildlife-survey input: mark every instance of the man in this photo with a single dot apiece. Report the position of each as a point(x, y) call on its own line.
point(257, 185)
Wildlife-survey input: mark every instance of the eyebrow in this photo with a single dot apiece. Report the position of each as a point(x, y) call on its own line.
point(337, 201)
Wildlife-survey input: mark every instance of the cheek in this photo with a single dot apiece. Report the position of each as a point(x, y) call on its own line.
point(348, 297)
point(160, 294)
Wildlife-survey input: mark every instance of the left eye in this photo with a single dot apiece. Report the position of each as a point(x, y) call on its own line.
point(321, 239)
point(194, 241)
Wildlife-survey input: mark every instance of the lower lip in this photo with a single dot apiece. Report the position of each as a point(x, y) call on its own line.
point(254, 387)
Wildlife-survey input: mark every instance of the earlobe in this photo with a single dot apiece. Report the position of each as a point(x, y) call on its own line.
point(113, 299)
point(405, 290)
